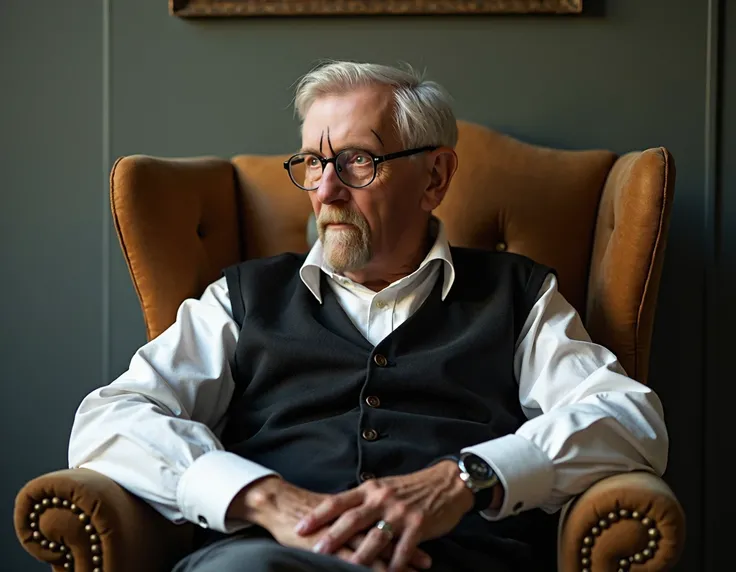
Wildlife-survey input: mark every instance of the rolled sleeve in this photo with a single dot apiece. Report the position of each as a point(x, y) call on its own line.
point(526, 473)
point(210, 484)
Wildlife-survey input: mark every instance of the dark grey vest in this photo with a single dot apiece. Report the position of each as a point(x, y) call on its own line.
point(316, 402)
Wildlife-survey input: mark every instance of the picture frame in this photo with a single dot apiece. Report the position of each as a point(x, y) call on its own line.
point(256, 8)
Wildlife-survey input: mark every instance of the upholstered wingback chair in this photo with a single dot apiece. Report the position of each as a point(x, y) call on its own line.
point(600, 220)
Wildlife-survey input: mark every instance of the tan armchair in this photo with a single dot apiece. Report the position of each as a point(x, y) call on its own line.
point(599, 219)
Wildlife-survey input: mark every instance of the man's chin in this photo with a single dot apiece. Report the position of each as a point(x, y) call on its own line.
point(342, 261)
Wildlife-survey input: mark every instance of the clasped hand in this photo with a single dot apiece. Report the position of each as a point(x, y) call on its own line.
point(417, 507)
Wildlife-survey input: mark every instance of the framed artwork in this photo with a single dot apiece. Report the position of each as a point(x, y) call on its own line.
point(245, 8)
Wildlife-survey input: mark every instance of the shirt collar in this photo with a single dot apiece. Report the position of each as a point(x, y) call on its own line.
point(314, 263)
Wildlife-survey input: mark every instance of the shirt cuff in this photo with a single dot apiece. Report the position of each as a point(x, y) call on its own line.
point(526, 473)
point(210, 484)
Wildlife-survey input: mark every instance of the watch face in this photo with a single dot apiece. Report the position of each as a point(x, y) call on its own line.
point(477, 468)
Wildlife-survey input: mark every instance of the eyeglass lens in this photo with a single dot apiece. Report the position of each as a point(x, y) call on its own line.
point(354, 167)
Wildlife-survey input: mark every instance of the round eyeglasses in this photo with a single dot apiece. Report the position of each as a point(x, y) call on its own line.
point(354, 167)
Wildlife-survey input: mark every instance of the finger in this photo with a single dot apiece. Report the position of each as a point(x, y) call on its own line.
point(346, 555)
point(328, 510)
point(372, 546)
point(406, 546)
point(420, 559)
point(352, 522)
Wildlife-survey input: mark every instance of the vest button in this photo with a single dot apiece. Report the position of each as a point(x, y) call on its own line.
point(370, 434)
point(367, 476)
point(380, 360)
point(372, 401)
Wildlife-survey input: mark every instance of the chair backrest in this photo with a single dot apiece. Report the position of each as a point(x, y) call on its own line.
point(598, 219)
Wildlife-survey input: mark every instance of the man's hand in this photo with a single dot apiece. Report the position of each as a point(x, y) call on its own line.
point(418, 507)
point(278, 506)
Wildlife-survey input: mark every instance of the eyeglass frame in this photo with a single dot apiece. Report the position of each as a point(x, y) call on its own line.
point(377, 160)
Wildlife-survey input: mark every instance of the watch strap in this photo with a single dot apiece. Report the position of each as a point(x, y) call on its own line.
point(483, 499)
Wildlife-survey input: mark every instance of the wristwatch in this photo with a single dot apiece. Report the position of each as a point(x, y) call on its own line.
point(478, 476)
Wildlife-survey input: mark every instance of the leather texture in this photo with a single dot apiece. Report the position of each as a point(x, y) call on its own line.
point(600, 220)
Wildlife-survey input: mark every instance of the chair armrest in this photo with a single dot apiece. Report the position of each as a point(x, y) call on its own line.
point(82, 520)
point(627, 519)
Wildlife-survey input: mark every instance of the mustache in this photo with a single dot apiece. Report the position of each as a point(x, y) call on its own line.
point(335, 215)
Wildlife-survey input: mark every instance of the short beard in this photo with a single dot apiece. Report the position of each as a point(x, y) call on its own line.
point(345, 249)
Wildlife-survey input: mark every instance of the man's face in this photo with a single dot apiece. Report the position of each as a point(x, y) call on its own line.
point(357, 226)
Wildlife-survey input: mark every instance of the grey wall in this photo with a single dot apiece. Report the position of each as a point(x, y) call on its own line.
point(84, 82)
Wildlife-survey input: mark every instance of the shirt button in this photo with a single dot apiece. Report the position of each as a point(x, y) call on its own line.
point(367, 476)
point(381, 304)
point(372, 401)
point(380, 360)
point(370, 434)
point(203, 522)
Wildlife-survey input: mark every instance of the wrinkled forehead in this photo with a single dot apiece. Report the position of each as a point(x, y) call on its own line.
point(360, 118)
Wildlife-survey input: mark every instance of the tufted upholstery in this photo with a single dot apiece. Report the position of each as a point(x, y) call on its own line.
point(599, 219)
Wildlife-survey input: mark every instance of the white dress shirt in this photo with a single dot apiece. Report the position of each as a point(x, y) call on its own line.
point(155, 430)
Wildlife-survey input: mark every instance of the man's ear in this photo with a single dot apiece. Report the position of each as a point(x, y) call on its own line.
point(443, 164)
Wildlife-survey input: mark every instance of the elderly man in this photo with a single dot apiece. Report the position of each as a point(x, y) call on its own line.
point(385, 401)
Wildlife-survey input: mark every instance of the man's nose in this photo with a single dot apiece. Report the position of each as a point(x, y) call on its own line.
point(331, 189)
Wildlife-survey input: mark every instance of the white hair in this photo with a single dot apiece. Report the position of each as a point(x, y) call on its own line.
point(423, 112)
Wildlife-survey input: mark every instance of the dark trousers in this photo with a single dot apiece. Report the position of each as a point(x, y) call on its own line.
point(243, 554)
point(254, 550)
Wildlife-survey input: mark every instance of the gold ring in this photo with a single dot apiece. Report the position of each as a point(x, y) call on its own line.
point(386, 528)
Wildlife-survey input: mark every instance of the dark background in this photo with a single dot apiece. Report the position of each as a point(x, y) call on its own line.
point(84, 82)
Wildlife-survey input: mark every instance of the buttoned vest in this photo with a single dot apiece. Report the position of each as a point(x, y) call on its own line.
point(320, 405)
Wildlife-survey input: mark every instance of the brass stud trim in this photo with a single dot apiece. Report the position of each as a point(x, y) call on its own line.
point(605, 523)
point(57, 502)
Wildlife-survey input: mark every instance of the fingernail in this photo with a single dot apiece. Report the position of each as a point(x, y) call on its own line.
point(426, 562)
point(301, 526)
point(319, 547)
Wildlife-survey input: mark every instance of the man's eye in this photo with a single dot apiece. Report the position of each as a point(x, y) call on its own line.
point(313, 161)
